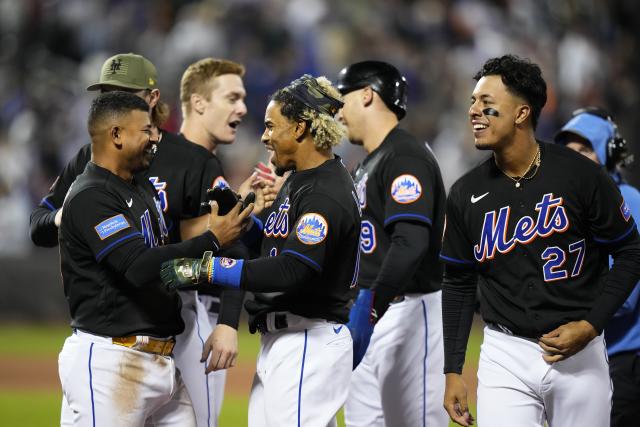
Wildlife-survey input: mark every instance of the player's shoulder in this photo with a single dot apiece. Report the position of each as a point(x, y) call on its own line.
point(572, 161)
point(178, 148)
point(95, 182)
point(329, 180)
point(477, 176)
point(400, 143)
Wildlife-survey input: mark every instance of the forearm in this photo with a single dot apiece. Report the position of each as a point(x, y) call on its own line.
point(458, 302)
point(409, 243)
point(146, 266)
point(193, 227)
point(42, 227)
point(271, 274)
point(230, 307)
point(620, 281)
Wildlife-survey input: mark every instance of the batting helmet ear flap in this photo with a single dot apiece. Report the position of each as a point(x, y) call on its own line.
point(617, 152)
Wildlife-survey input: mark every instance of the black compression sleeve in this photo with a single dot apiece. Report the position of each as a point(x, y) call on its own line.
point(620, 281)
point(230, 307)
point(42, 228)
point(409, 244)
point(275, 274)
point(458, 302)
point(140, 265)
point(231, 299)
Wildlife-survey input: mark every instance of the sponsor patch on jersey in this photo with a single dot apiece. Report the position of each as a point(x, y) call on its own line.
point(626, 212)
point(227, 262)
point(220, 182)
point(406, 189)
point(111, 226)
point(312, 229)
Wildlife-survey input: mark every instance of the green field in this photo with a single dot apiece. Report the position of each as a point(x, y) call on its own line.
point(40, 406)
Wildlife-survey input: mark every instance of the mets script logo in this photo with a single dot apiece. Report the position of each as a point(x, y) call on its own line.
point(552, 218)
point(227, 262)
point(277, 224)
point(311, 229)
point(161, 188)
point(361, 190)
point(406, 189)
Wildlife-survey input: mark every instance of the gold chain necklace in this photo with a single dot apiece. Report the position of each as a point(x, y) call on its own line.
point(534, 162)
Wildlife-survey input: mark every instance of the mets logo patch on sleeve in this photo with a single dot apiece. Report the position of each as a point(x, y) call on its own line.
point(111, 226)
point(227, 262)
point(220, 182)
point(626, 212)
point(312, 229)
point(406, 189)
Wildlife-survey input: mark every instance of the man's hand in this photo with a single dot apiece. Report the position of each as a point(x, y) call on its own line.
point(566, 340)
point(222, 345)
point(455, 400)
point(183, 272)
point(228, 228)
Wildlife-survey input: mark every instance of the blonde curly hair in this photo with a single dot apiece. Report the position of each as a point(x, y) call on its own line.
point(326, 131)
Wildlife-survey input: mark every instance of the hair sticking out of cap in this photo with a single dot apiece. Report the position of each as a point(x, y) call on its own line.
point(491, 112)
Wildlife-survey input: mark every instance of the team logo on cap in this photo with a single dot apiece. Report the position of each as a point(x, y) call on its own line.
point(406, 189)
point(227, 262)
point(626, 212)
point(311, 229)
point(220, 182)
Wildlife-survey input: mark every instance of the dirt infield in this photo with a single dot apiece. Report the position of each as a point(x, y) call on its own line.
point(41, 374)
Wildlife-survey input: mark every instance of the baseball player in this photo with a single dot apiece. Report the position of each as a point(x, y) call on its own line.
point(593, 133)
point(402, 197)
point(116, 368)
point(181, 172)
point(308, 263)
point(212, 96)
point(533, 225)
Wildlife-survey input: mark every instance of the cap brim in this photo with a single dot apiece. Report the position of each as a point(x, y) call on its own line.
point(98, 86)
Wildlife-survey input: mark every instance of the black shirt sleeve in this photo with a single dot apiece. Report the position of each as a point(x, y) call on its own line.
point(275, 274)
point(409, 241)
point(613, 226)
point(212, 176)
point(457, 249)
point(43, 230)
point(407, 182)
point(458, 303)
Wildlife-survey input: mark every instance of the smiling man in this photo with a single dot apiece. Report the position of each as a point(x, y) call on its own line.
point(532, 225)
point(118, 366)
point(308, 262)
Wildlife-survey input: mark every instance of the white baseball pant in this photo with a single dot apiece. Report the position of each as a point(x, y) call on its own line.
point(400, 381)
point(517, 387)
point(302, 375)
point(105, 384)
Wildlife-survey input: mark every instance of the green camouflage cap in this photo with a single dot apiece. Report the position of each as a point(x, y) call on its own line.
point(129, 71)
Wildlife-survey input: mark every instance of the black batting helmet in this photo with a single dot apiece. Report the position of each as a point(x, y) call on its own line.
point(383, 78)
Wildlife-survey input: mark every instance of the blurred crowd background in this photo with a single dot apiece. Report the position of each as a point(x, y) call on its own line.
point(52, 49)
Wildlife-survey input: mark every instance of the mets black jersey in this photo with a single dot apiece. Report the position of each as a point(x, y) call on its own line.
point(102, 213)
point(315, 218)
point(181, 173)
point(400, 181)
point(540, 249)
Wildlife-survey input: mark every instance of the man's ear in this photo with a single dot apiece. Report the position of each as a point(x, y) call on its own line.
point(154, 97)
point(367, 96)
point(197, 103)
point(115, 134)
point(524, 112)
point(300, 130)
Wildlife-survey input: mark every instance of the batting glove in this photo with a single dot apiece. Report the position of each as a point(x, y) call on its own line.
point(361, 320)
point(185, 272)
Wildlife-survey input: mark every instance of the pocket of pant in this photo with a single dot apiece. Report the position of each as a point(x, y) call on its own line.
point(68, 358)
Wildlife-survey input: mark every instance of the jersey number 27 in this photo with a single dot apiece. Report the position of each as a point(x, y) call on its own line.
point(552, 269)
